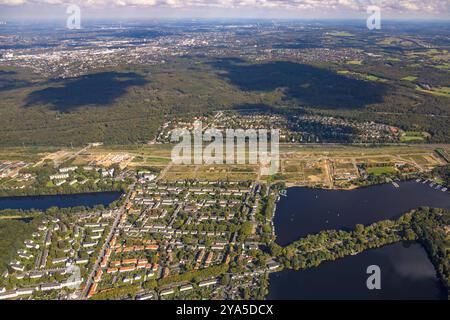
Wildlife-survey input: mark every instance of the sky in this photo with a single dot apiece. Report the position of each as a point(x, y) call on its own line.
point(226, 9)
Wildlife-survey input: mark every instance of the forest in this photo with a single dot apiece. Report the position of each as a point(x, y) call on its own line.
point(12, 234)
point(444, 173)
point(128, 104)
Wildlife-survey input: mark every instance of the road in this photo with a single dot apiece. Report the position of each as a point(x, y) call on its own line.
point(76, 154)
point(102, 253)
point(174, 215)
point(164, 171)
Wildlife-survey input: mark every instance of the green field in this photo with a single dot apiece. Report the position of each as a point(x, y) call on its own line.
point(410, 139)
point(341, 34)
point(381, 170)
point(371, 77)
point(158, 160)
point(437, 91)
point(412, 136)
point(445, 66)
point(409, 78)
point(355, 62)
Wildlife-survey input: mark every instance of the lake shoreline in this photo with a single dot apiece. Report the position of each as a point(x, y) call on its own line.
point(31, 194)
point(45, 202)
point(309, 211)
point(317, 280)
point(305, 211)
point(58, 194)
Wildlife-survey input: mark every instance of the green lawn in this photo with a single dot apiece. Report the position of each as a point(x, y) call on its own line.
point(409, 139)
point(412, 136)
point(372, 77)
point(158, 160)
point(445, 66)
point(409, 78)
point(381, 170)
point(354, 62)
point(341, 34)
point(369, 77)
point(437, 91)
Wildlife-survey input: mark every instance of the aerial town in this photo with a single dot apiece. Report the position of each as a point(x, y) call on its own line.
point(166, 236)
point(293, 128)
point(169, 237)
point(95, 204)
point(70, 58)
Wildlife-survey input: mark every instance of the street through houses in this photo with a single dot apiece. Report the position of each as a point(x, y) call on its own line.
point(114, 227)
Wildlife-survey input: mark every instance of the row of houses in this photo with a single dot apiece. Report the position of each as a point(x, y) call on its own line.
point(188, 287)
point(43, 287)
point(169, 232)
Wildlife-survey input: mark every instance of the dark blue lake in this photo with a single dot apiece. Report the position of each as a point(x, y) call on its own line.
point(406, 274)
point(305, 211)
point(62, 201)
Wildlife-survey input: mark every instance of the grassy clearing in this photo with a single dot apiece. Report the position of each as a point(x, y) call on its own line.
point(28, 154)
point(413, 136)
point(381, 170)
point(371, 77)
point(344, 166)
point(421, 160)
point(443, 90)
point(158, 160)
point(445, 66)
point(409, 78)
point(355, 62)
point(396, 41)
point(438, 91)
point(341, 34)
point(410, 139)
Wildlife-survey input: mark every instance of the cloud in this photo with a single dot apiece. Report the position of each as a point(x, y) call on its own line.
point(438, 6)
point(12, 2)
